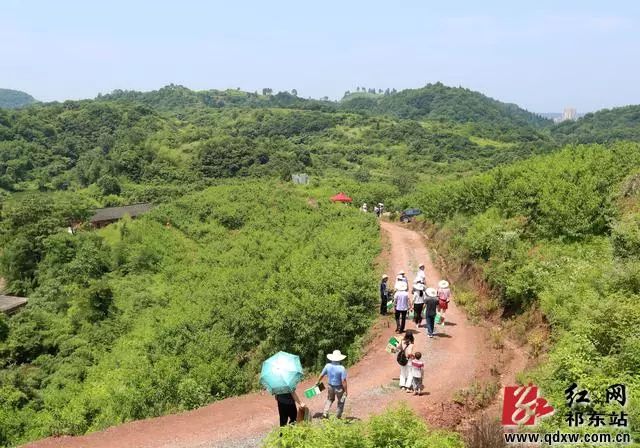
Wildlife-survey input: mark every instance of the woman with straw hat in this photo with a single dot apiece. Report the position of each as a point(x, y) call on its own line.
point(420, 275)
point(431, 305)
point(403, 277)
point(418, 302)
point(444, 296)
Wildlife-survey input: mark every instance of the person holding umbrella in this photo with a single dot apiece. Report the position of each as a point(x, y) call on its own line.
point(280, 375)
point(337, 378)
point(287, 409)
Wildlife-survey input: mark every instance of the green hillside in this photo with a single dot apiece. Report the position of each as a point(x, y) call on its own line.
point(174, 97)
point(12, 99)
point(135, 320)
point(166, 139)
point(621, 123)
point(177, 309)
point(440, 102)
point(556, 235)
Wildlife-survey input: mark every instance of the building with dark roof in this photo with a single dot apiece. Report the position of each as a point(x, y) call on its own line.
point(105, 216)
point(11, 304)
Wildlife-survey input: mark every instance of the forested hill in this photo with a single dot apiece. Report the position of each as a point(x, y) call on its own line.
point(620, 123)
point(434, 101)
point(129, 141)
point(11, 99)
point(437, 101)
point(174, 97)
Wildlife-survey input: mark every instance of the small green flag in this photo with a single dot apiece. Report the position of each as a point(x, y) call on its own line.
point(312, 392)
point(393, 343)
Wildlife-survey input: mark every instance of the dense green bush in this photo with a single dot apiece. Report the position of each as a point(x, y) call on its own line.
point(565, 195)
point(555, 233)
point(396, 428)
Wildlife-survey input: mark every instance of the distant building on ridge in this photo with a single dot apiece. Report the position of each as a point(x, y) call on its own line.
point(569, 113)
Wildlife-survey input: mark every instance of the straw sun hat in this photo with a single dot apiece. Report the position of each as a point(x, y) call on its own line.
point(336, 356)
point(400, 286)
point(443, 284)
point(431, 292)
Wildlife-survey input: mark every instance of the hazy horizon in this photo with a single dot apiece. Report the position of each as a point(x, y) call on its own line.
point(543, 58)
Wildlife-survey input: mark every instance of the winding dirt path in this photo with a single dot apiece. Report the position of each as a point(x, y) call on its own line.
point(453, 360)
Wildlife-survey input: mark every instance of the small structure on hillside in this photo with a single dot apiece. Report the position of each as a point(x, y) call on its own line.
point(341, 197)
point(105, 216)
point(11, 304)
point(300, 179)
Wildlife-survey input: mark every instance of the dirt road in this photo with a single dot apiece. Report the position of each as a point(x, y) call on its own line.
point(453, 359)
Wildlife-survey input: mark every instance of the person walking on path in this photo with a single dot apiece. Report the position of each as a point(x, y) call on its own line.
point(417, 371)
point(444, 296)
point(403, 277)
point(384, 294)
point(405, 355)
point(401, 305)
point(287, 407)
point(337, 378)
point(421, 276)
point(418, 303)
point(431, 306)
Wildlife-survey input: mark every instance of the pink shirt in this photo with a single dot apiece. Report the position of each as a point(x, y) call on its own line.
point(417, 367)
point(444, 294)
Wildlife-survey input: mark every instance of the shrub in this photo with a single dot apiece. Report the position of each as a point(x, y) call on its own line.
point(395, 428)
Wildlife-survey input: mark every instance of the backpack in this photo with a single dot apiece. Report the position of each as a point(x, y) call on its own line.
point(402, 357)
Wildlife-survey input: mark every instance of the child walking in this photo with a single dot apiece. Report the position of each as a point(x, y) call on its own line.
point(417, 367)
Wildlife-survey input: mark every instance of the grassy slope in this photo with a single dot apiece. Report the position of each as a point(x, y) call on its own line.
point(178, 308)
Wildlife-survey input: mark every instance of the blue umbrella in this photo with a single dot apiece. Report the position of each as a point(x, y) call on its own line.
point(281, 373)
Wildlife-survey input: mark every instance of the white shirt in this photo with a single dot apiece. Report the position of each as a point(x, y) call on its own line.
point(420, 276)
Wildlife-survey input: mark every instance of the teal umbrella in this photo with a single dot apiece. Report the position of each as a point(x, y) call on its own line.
point(281, 373)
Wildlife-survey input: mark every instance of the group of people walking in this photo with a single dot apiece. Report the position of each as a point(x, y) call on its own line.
point(290, 404)
point(420, 299)
point(378, 209)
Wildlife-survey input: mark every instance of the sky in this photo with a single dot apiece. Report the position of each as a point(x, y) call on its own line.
point(542, 55)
